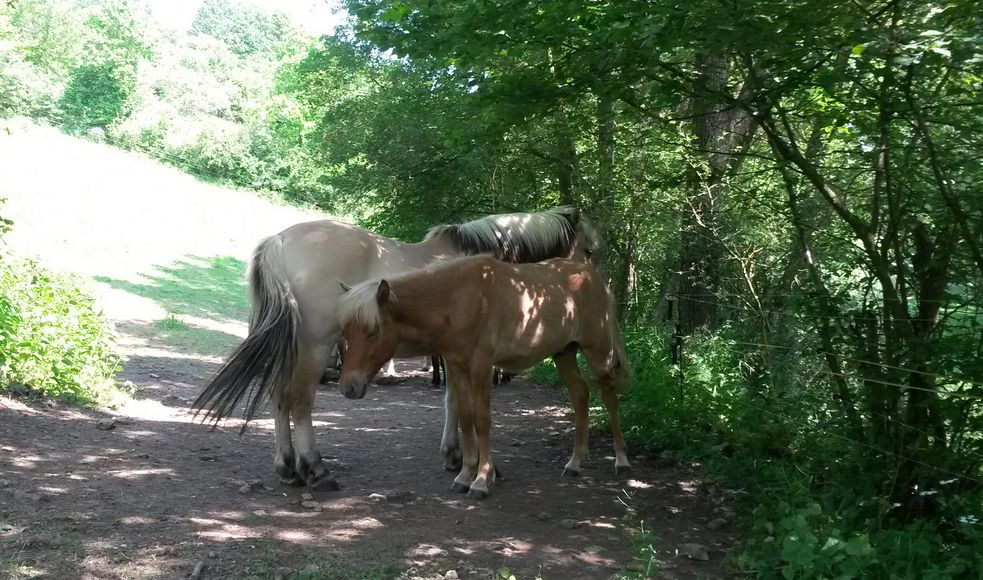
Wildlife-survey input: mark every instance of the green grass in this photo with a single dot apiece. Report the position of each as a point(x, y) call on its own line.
point(204, 287)
point(210, 288)
point(23, 555)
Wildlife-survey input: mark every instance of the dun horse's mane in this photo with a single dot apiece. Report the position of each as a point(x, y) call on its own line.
point(518, 237)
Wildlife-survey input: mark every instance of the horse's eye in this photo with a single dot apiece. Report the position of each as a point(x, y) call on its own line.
point(373, 334)
point(589, 252)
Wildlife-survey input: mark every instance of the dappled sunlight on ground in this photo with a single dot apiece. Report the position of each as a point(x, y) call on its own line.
point(157, 494)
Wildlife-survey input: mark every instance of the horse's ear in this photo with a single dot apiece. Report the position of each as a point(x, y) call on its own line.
point(344, 287)
point(382, 294)
point(575, 216)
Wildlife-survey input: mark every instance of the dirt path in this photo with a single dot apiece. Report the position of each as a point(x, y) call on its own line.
point(147, 493)
point(155, 495)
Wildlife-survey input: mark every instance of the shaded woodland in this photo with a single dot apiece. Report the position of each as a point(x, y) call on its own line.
point(788, 193)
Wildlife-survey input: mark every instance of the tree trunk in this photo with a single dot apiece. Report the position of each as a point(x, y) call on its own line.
point(699, 256)
point(566, 156)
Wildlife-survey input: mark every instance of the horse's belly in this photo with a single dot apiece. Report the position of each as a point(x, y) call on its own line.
point(516, 361)
point(407, 350)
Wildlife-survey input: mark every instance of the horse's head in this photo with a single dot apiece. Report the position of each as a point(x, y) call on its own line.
point(370, 341)
point(586, 240)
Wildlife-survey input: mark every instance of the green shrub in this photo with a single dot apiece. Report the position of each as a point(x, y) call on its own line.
point(813, 498)
point(96, 95)
point(24, 89)
point(53, 341)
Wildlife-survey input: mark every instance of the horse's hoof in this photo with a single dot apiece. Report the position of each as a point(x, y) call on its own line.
point(326, 484)
point(453, 460)
point(498, 473)
point(622, 469)
point(459, 488)
point(292, 481)
point(567, 472)
point(477, 494)
point(289, 477)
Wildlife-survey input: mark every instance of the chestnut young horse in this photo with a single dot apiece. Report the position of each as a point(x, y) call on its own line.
point(478, 313)
point(293, 323)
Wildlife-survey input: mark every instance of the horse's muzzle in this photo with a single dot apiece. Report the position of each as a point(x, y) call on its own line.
point(354, 388)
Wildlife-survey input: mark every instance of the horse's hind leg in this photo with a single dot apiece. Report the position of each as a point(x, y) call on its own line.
point(285, 459)
point(566, 367)
point(621, 464)
point(301, 393)
point(612, 375)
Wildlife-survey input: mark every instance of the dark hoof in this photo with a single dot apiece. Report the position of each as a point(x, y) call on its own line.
point(455, 462)
point(292, 482)
point(460, 488)
point(285, 469)
point(477, 494)
point(622, 469)
point(498, 473)
point(569, 473)
point(326, 484)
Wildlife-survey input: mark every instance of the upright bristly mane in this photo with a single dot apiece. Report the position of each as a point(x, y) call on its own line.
point(359, 305)
point(518, 237)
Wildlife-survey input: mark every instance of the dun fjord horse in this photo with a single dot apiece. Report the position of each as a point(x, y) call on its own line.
point(478, 313)
point(293, 323)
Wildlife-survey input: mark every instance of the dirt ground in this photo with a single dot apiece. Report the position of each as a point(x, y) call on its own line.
point(157, 496)
point(147, 493)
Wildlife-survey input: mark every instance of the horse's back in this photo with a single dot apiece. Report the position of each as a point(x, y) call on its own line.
point(537, 310)
point(318, 256)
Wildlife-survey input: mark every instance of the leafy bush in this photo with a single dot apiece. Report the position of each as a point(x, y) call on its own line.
point(96, 95)
point(24, 89)
point(53, 341)
point(812, 499)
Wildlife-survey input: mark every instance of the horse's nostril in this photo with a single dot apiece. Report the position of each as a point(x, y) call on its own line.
point(350, 391)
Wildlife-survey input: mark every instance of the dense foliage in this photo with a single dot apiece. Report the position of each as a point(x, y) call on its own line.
point(53, 341)
point(789, 194)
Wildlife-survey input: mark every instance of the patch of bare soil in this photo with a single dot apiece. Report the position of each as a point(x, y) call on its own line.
point(149, 494)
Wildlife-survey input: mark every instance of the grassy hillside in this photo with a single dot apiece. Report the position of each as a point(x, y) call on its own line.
point(165, 253)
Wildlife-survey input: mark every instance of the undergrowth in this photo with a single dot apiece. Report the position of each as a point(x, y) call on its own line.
point(53, 340)
point(812, 499)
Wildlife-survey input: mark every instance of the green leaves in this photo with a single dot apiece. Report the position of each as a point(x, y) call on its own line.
point(52, 340)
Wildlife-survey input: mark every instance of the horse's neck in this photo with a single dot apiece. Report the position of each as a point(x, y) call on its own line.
point(423, 302)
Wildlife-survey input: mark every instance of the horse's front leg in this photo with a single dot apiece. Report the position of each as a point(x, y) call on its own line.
point(301, 391)
point(480, 403)
point(458, 382)
point(566, 367)
point(450, 449)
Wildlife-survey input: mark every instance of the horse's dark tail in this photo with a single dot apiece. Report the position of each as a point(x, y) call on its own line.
point(261, 367)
